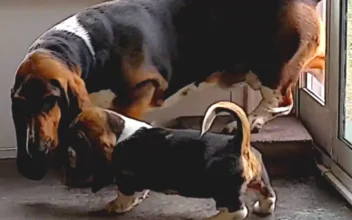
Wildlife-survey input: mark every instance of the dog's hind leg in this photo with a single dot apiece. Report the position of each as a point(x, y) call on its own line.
point(230, 203)
point(225, 214)
point(267, 197)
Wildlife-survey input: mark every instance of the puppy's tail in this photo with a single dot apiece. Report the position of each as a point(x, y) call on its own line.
point(251, 165)
point(243, 129)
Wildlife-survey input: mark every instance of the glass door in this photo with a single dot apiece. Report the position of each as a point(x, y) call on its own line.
point(326, 110)
point(341, 95)
point(312, 99)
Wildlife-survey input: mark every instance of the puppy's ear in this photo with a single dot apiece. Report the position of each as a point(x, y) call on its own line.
point(115, 123)
point(102, 172)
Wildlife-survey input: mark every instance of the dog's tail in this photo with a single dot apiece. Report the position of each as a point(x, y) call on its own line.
point(243, 129)
point(251, 165)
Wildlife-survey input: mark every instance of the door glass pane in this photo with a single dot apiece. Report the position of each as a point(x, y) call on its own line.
point(313, 85)
point(346, 80)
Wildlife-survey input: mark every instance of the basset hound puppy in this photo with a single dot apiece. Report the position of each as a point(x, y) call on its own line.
point(137, 158)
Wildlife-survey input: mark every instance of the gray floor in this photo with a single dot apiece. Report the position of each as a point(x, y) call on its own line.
point(307, 199)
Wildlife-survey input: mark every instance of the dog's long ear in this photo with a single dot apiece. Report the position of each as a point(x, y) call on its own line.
point(78, 93)
point(102, 171)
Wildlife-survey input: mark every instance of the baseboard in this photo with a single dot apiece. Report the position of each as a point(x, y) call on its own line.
point(331, 171)
point(7, 153)
point(336, 182)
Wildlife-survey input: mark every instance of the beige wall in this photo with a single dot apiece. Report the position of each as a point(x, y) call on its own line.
point(21, 22)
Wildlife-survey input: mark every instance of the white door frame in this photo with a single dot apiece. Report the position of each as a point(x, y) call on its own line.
point(323, 120)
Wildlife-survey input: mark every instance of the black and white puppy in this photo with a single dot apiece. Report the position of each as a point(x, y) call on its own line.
point(137, 157)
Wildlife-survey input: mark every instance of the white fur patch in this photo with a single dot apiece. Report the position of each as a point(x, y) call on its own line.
point(265, 205)
point(224, 214)
point(125, 203)
point(30, 135)
point(27, 142)
point(72, 157)
point(72, 26)
point(131, 126)
point(102, 98)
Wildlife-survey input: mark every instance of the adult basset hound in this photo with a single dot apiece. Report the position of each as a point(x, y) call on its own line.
point(133, 55)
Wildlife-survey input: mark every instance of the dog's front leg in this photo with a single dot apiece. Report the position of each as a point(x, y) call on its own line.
point(126, 202)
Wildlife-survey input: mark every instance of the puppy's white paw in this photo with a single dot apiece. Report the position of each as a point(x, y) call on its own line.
point(264, 206)
point(125, 203)
point(226, 215)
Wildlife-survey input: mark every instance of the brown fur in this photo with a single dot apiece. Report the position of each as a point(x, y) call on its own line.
point(42, 67)
point(145, 84)
point(145, 96)
point(100, 128)
point(305, 19)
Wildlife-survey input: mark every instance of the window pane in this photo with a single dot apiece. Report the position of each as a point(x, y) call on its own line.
point(317, 89)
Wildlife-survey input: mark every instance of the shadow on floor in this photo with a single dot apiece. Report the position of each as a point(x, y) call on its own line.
point(310, 198)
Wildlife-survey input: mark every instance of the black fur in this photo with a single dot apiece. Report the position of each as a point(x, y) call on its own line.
point(179, 160)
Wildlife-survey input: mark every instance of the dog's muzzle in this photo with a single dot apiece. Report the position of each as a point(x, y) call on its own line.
point(32, 154)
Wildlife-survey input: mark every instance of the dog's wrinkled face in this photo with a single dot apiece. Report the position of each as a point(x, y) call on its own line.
point(37, 101)
point(40, 100)
point(93, 136)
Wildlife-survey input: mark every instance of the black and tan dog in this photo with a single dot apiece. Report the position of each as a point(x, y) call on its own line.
point(137, 157)
point(132, 55)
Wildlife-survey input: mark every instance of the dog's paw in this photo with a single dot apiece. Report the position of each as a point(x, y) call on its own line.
point(125, 203)
point(264, 206)
point(256, 123)
point(226, 215)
